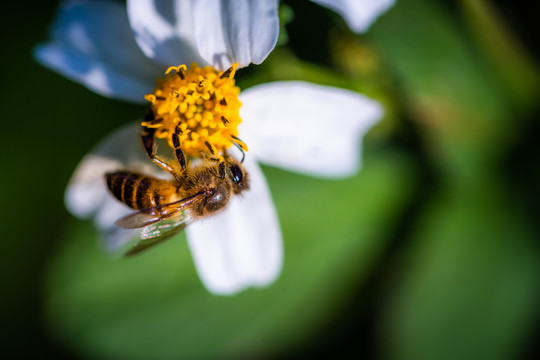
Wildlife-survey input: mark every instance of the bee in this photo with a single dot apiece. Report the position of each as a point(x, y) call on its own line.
point(166, 206)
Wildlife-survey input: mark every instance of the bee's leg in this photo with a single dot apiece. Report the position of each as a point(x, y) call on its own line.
point(177, 149)
point(222, 170)
point(148, 137)
point(217, 157)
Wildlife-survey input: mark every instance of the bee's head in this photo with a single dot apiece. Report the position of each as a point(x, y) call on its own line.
point(226, 180)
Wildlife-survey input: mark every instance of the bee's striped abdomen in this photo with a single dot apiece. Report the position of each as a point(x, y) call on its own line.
point(132, 189)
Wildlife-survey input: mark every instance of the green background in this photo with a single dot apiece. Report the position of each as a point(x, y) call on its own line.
point(430, 252)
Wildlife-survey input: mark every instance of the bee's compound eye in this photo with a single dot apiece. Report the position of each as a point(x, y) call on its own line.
point(236, 174)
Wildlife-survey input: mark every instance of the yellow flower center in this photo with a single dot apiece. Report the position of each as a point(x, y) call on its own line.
point(201, 104)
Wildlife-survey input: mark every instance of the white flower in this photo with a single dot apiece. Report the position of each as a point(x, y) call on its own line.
point(307, 128)
point(358, 14)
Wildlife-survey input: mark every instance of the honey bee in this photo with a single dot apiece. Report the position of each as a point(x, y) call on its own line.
point(165, 207)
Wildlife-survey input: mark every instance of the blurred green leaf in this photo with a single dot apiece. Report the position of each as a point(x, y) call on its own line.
point(459, 103)
point(469, 287)
point(153, 306)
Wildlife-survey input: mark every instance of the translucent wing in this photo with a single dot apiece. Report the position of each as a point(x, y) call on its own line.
point(154, 214)
point(157, 232)
point(159, 222)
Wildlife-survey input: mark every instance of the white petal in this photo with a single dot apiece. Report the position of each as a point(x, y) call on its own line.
point(87, 194)
point(239, 31)
point(358, 14)
point(86, 190)
point(307, 128)
point(164, 30)
point(241, 246)
point(92, 43)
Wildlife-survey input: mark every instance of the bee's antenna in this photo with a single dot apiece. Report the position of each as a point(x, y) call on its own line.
point(240, 145)
point(242, 151)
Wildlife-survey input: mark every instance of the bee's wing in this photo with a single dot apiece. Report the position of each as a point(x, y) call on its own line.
point(137, 220)
point(157, 227)
point(155, 233)
point(154, 214)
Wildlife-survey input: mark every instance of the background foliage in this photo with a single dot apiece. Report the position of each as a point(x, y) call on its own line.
point(431, 252)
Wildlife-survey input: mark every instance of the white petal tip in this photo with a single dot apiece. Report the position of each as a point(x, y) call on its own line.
point(358, 14)
point(316, 130)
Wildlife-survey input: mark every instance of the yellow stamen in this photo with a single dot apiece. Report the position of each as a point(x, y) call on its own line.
point(201, 102)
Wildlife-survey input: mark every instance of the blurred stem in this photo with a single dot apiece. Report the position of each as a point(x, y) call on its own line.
point(512, 62)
